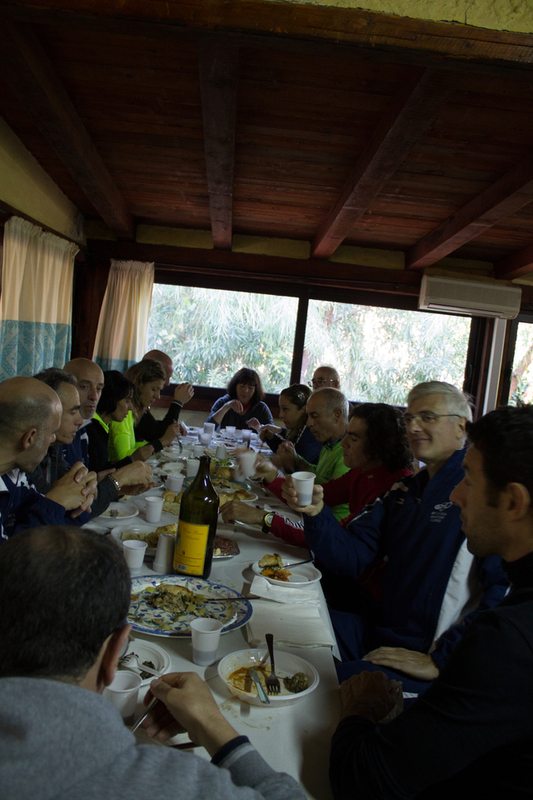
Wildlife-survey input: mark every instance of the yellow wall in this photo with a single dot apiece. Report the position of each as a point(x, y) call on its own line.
point(499, 15)
point(25, 186)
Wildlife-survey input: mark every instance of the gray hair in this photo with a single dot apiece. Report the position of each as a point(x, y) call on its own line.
point(54, 377)
point(334, 399)
point(457, 402)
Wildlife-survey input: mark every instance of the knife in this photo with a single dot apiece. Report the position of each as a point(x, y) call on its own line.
point(259, 686)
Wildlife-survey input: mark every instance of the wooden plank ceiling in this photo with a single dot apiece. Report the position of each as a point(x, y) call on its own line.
point(341, 127)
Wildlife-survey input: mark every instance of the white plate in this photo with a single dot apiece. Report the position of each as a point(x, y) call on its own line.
point(138, 527)
point(175, 468)
point(146, 651)
point(301, 577)
point(286, 666)
point(125, 511)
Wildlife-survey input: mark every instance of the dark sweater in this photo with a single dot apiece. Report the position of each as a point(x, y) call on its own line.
point(470, 734)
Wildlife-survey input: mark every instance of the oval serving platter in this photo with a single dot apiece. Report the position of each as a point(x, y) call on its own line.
point(156, 622)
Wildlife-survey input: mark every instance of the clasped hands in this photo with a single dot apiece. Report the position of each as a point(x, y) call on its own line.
point(75, 490)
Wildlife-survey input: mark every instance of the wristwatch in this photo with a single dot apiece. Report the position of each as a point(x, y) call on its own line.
point(115, 483)
point(267, 521)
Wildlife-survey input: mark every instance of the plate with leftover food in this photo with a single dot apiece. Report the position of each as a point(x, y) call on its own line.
point(117, 512)
point(298, 678)
point(147, 653)
point(165, 605)
point(225, 547)
point(272, 567)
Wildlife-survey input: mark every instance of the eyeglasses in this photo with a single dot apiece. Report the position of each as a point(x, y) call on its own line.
point(426, 416)
point(316, 382)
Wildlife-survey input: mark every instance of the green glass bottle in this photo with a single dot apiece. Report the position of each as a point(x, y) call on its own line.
point(197, 525)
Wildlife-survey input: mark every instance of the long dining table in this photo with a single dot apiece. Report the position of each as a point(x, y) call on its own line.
point(293, 739)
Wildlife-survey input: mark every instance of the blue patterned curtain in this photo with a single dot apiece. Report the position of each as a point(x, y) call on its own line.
point(36, 302)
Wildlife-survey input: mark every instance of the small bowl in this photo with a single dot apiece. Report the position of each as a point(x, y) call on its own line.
point(301, 577)
point(286, 665)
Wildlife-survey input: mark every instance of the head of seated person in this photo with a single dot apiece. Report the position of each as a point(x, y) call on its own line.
point(292, 406)
point(246, 387)
point(30, 415)
point(148, 378)
point(325, 376)
point(64, 594)
point(163, 359)
point(435, 418)
point(116, 400)
point(376, 436)
point(65, 386)
point(327, 414)
point(90, 383)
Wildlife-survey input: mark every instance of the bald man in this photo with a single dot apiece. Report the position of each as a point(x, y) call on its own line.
point(90, 381)
point(151, 428)
point(325, 377)
point(30, 416)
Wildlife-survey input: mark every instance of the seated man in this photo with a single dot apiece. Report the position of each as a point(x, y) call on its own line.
point(90, 382)
point(327, 419)
point(64, 595)
point(30, 415)
point(136, 477)
point(325, 377)
point(152, 428)
point(471, 733)
point(432, 586)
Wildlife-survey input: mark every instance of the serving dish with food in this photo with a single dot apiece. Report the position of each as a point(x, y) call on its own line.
point(144, 533)
point(298, 678)
point(117, 512)
point(164, 605)
point(272, 567)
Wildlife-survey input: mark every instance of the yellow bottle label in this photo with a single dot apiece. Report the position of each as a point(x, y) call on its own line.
point(191, 544)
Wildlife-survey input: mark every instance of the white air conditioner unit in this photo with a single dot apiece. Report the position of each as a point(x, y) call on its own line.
point(476, 298)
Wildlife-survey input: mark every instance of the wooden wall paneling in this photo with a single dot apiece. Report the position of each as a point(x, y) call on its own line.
point(33, 79)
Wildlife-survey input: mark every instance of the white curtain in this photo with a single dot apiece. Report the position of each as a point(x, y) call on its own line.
point(123, 322)
point(36, 302)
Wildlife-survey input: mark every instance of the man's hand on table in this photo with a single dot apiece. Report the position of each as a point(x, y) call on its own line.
point(243, 512)
point(188, 706)
point(373, 696)
point(413, 663)
point(76, 489)
point(142, 453)
point(134, 474)
point(288, 492)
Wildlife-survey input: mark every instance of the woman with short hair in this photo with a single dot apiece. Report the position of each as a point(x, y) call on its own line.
point(242, 402)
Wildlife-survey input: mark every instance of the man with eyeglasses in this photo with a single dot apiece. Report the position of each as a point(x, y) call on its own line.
point(325, 377)
point(433, 586)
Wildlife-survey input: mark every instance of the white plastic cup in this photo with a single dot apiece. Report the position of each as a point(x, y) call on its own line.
point(205, 634)
point(246, 434)
point(303, 482)
point(198, 450)
point(230, 430)
point(209, 427)
point(205, 439)
point(123, 692)
point(164, 554)
point(246, 462)
point(193, 465)
point(175, 482)
point(221, 452)
point(154, 507)
point(134, 551)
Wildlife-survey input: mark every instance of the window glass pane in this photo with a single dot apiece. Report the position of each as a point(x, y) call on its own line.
point(210, 334)
point(381, 353)
point(522, 375)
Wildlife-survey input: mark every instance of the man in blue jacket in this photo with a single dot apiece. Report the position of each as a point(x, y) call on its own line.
point(30, 415)
point(433, 586)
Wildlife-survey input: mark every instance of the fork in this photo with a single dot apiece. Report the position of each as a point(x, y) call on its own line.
point(132, 659)
point(272, 682)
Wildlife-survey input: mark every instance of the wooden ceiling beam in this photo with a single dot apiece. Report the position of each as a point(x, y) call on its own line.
point(218, 64)
point(516, 265)
point(508, 194)
point(409, 115)
point(32, 78)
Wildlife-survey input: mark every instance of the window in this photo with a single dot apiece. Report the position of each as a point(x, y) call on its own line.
point(211, 334)
point(521, 389)
point(381, 353)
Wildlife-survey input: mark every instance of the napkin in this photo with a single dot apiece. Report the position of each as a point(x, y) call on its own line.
point(282, 594)
point(291, 625)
